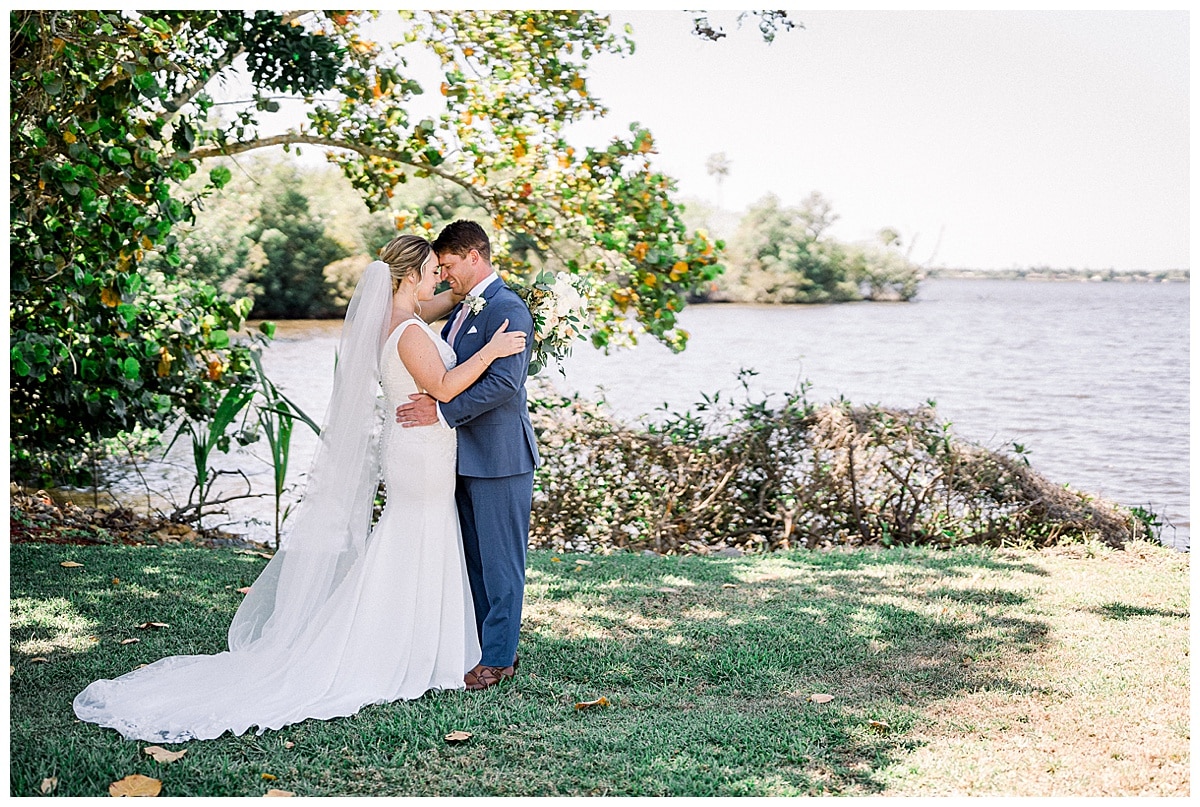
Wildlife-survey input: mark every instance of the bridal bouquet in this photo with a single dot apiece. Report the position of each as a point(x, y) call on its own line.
point(559, 304)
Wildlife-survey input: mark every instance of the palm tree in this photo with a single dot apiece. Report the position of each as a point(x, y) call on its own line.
point(718, 166)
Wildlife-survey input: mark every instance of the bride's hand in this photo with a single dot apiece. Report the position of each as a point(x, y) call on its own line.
point(505, 343)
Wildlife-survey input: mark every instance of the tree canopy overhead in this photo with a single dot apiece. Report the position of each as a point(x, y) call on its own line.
point(111, 111)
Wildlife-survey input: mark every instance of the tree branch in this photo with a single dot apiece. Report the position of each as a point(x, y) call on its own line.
point(178, 102)
point(295, 138)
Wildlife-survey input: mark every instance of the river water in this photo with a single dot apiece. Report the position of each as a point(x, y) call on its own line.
point(1091, 378)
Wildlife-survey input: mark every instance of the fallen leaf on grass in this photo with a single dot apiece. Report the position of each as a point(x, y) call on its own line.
point(728, 585)
point(116, 581)
point(820, 697)
point(584, 562)
point(49, 785)
point(39, 660)
point(161, 754)
point(70, 564)
point(879, 726)
point(270, 777)
point(556, 560)
point(152, 625)
point(456, 737)
point(967, 660)
point(274, 792)
point(601, 701)
point(130, 641)
point(245, 590)
point(135, 785)
point(668, 590)
point(263, 555)
point(289, 744)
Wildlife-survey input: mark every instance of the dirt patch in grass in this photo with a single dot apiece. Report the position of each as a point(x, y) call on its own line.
point(1106, 712)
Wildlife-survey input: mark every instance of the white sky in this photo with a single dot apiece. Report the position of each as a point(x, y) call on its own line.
point(1025, 138)
point(1003, 139)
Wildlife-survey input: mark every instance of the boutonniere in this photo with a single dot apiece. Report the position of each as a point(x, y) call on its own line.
point(475, 304)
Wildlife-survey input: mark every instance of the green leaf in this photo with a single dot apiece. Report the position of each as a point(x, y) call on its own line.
point(220, 176)
point(120, 156)
point(131, 368)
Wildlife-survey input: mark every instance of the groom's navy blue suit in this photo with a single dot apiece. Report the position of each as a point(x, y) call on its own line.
point(497, 454)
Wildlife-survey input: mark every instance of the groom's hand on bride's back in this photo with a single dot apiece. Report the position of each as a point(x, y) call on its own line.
point(421, 410)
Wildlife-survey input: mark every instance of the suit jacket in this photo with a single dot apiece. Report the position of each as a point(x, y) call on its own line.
point(495, 437)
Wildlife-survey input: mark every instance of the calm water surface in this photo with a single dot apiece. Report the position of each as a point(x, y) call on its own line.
point(1092, 378)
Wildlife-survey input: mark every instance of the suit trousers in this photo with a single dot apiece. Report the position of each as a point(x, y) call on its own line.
point(494, 516)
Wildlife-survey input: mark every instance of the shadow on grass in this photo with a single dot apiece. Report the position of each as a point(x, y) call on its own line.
point(731, 649)
point(708, 663)
point(1121, 611)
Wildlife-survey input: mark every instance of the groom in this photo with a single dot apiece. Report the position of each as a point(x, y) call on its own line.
point(497, 451)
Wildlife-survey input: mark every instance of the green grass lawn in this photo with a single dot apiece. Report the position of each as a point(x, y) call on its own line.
point(996, 672)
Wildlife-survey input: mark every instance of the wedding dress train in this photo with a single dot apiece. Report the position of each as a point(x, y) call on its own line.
point(396, 623)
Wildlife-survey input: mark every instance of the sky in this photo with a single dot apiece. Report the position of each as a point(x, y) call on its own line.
point(987, 139)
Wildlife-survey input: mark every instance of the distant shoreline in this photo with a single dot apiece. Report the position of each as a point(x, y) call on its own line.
point(1076, 275)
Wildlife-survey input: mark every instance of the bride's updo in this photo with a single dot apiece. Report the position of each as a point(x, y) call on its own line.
point(405, 255)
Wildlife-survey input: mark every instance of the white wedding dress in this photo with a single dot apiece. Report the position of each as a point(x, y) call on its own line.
point(396, 624)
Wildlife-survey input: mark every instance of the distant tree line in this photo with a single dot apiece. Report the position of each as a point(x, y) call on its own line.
point(294, 240)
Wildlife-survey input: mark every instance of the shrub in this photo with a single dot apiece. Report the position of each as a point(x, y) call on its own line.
point(761, 476)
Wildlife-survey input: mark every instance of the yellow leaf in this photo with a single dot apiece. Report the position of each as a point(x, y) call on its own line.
point(164, 363)
point(69, 136)
point(161, 754)
point(270, 777)
point(820, 697)
point(70, 564)
point(519, 150)
point(679, 270)
point(135, 785)
point(49, 785)
point(153, 625)
point(601, 701)
point(116, 581)
point(577, 83)
point(456, 737)
point(556, 560)
point(879, 726)
point(147, 243)
point(445, 88)
point(276, 792)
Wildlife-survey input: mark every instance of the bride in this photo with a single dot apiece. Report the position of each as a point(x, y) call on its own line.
point(344, 615)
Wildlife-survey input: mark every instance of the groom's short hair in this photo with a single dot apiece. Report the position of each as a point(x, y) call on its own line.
point(461, 237)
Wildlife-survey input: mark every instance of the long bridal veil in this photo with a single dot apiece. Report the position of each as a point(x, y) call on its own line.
point(269, 678)
point(330, 526)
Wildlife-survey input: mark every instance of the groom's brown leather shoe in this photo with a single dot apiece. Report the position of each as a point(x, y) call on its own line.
point(483, 676)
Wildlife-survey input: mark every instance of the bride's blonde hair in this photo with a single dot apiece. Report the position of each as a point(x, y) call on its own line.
point(405, 255)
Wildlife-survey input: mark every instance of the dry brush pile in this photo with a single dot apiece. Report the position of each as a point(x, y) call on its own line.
point(761, 477)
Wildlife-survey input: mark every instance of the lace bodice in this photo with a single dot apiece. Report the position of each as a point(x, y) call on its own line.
point(397, 382)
